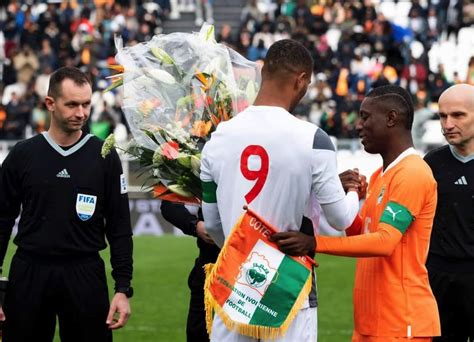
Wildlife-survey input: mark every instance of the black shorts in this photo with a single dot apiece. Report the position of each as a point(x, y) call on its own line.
point(73, 290)
point(454, 294)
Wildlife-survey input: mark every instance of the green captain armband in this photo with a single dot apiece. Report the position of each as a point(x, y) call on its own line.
point(209, 190)
point(397, 216)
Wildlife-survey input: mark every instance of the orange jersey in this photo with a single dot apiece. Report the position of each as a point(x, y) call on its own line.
point(392, 295)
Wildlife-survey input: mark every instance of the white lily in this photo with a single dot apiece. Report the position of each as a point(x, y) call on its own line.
point(161, 55)
point(196, 164)
point(214, 66)
point(207, 33)
point(141, 82)
point(161, 76)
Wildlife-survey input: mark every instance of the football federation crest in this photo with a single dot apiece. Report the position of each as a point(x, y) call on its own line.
point(380, 197)
point(85, 206)
point(257, 273)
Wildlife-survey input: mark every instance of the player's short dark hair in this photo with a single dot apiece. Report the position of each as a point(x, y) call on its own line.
point(286, 56)
point(397, 98)
point(71, 73)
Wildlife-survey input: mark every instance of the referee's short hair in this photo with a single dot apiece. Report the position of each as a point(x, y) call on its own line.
point(286, 56)
point(395, 98)
point(63, 73)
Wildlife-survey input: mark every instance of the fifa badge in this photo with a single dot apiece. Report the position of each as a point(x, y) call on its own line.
point(85, 206)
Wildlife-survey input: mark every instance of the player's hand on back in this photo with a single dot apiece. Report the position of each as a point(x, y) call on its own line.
point(294, 243)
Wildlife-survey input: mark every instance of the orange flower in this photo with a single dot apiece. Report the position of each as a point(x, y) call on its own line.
point(201, 128)
point(215, 119)
point(118, 68)
point(146, 106)
point(206, 82)
point(209, 100)
point(170, 150)
point(160, 191)
point(200, 76)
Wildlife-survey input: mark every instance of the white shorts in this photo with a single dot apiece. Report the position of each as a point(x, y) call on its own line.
point(304, 328)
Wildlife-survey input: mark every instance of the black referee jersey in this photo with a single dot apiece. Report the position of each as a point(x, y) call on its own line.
point(71, 199)
point(452, 238)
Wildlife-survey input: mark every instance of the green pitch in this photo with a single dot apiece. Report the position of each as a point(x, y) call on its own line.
point(159, 306)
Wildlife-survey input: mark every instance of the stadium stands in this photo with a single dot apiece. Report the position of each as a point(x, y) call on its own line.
point(423, 45)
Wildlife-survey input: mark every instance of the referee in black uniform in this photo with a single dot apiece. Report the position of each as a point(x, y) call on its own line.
point(451, 256)
point(72, 200)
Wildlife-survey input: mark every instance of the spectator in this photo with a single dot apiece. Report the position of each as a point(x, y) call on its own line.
point(257, 52)
point(3, 118)
point(251, 15)
point(454, 18)
point(26, 64)
point(372, 48)
point(412, 75)
point(470, 71)
point(225, 36)
point(15, 122)
point(265, 35)
point(204, 6)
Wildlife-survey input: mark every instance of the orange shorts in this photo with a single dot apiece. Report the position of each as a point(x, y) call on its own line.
point(356, 337)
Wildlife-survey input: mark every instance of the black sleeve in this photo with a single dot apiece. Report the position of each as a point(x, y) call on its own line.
point(180, 217)
point(10, 200)
point(308, 229)
point(118, 228)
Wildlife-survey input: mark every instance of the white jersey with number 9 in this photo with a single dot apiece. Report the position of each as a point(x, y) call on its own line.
point(270, 160)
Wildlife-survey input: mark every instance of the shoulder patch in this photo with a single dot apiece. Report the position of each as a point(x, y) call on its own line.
point(123, 184)
point(322, 141)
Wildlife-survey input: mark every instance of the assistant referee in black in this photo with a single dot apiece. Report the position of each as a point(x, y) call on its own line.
point(451, 255)
point(72, 200)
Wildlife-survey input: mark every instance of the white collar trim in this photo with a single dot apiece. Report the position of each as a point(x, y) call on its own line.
point(408, 152)
point(462, 159)
point(68, 152)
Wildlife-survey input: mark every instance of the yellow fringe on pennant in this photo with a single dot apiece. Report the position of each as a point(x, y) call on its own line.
point(254, 331)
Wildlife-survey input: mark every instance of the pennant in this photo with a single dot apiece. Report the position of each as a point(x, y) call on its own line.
point(255, 288)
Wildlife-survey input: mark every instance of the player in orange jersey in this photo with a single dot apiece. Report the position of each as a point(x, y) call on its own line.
point(393, 300)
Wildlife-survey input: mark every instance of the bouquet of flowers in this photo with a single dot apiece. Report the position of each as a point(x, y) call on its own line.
point(176, 89)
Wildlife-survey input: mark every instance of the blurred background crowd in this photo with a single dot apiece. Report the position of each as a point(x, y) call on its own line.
point(424, 46)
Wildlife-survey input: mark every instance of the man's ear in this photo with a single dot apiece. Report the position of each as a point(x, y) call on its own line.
point(300, 80)
point(392, 117)
point(49, 102)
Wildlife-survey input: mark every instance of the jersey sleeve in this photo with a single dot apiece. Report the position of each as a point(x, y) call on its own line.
point(356, 227)
point(10, 199)
point(179, 216)
point(408, 192)
point(380, 243)
point(210, 210)
point(326, 184)
point(117, 221)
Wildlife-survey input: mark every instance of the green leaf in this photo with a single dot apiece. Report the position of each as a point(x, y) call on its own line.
point(114, 85)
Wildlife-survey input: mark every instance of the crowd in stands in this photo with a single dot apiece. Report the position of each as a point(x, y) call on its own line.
point(355, 45)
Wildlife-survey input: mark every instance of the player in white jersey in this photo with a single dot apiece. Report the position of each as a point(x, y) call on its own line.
point(270, 160)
